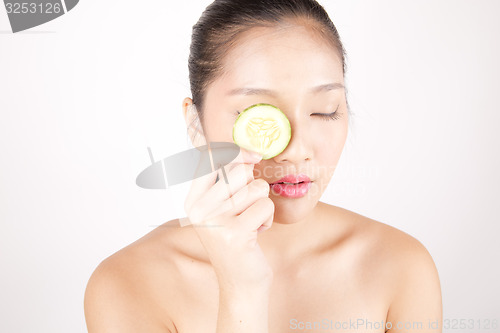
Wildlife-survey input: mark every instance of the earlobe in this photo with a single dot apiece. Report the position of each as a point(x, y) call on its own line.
point(187, 104)
point(193, 123)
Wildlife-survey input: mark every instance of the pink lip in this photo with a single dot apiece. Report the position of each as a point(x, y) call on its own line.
point(293, 179)
point(301, 186)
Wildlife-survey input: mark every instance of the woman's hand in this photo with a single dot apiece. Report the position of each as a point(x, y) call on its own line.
point(228, 217)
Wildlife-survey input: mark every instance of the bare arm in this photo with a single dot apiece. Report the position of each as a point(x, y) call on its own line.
point(240, 208)
point(417, 304)
point(243, 311)
point(113, 305)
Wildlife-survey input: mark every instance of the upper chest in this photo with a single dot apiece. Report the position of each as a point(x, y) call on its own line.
point(317, 294)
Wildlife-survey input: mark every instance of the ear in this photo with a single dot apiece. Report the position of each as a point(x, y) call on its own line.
point(193, 123)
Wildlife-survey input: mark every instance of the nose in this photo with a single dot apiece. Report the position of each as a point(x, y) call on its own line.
point(299, 148)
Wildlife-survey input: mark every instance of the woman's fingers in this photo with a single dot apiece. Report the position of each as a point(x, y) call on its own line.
point(266, 225)
point(212, 199)
point(209, 195)
point(232, 247)
point(244, 157)
point(198, 186)
point(250, 192)
point(251, 219)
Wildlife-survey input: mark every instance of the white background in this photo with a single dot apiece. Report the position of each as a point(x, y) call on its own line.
point(83, 96)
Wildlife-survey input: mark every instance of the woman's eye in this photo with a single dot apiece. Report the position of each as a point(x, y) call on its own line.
point(335, 115)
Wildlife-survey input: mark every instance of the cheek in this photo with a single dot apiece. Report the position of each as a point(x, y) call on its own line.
point(219, 129)
point(329, 145)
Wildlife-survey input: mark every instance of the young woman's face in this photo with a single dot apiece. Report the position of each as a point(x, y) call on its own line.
point(289, 62)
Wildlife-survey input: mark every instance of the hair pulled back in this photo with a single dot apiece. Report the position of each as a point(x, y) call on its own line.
point(224, 20)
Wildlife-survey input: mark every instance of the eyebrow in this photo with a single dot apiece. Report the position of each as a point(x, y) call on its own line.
point(258, 91)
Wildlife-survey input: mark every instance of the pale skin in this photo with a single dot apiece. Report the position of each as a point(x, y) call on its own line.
point(327, 263)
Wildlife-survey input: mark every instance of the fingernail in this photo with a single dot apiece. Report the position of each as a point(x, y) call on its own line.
point(256, 155)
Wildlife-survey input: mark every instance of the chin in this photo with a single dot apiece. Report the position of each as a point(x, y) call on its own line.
point(289, 211)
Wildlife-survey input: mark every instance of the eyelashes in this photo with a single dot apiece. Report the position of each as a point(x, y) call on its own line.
point(329, 116)
point(335, 115)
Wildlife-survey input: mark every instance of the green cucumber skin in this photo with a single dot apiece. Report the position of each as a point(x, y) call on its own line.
point(264, 157)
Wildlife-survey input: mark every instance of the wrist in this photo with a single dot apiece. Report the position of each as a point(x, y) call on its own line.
point(254, 303)
point(245, 288)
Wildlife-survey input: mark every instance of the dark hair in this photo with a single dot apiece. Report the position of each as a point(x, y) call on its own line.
point(224, 20)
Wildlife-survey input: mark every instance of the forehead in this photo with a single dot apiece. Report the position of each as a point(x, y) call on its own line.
point(288, 57)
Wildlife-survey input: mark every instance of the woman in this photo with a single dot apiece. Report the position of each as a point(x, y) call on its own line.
point(249, 258)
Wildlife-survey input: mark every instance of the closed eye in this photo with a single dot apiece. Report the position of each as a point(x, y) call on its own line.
point(325, 116)
point(329, 116)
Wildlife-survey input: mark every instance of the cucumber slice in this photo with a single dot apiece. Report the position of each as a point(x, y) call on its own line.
point(262, 128)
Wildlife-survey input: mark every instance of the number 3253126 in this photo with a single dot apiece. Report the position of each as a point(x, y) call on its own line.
point(33, 8)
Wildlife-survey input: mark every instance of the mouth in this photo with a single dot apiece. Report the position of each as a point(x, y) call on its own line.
point(291, 186)
point(292, 180)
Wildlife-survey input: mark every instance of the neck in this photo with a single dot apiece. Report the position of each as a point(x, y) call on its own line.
point(285, 242)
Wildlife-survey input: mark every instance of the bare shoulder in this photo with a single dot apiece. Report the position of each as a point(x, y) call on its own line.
point(122, 292)
point(387, 242)
point(415, 291)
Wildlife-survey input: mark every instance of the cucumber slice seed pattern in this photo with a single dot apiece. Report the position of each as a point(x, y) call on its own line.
point(263, 128)
point(263, 132)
